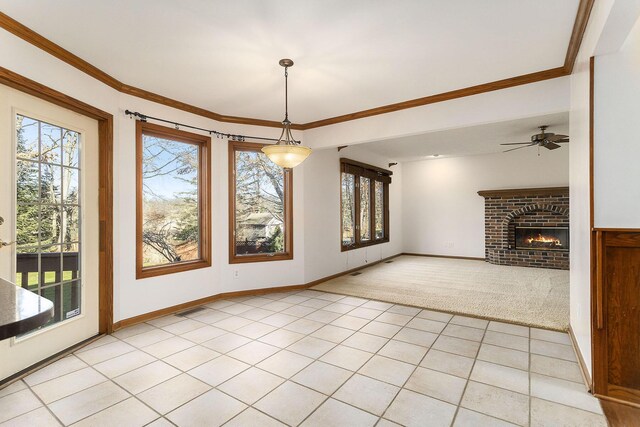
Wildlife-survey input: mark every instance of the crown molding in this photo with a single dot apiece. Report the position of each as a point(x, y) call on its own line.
point(579, 27)
point(445, 96)
point(37, 40)
point(153, 97)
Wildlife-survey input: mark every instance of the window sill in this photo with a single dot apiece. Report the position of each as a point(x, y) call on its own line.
point(363, 245)
point(240, 259)
point(161, 270)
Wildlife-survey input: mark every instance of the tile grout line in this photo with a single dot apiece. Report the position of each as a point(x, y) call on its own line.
point(416, 366)
point(327, 397)
point(135, 396)
point(468, 379)
point(356, 371)
point(315, 359)
point(130, 394)
point(226, 354)
point(239, 373)
point(41, 401)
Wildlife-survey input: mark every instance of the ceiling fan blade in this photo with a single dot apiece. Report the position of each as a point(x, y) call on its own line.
point(517, 148)
point(516, 143)
point(551, 145)
point(561, 141)
point(555, 138)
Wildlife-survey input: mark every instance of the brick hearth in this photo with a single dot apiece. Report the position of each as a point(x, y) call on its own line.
point(527, 207)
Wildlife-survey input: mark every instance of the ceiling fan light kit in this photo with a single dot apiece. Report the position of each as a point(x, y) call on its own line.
point(548, 140)
point(287, 152)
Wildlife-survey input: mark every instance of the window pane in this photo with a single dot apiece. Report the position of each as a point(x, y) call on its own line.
point(51, 264)
point(53, 294)
point(27, 131)
point(71, 299)
point(50, 224)
point(27, 218)
point(70, 185)
point(379, 217)
point(44, 220)
point(50, 185)
point(50, 143)
point(71, 148)
point(70, 226)
point(259, 205)
point(170, 223)
point(70, 262)
point(348, 209)
point(365, 209)
point(27, 271)
point(27, 181)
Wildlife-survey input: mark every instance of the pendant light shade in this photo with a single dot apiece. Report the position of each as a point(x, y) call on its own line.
point(287, 152)
point(287, 156)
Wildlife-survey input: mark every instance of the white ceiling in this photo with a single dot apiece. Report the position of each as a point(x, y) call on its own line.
point(223, 55)
point(469, 141)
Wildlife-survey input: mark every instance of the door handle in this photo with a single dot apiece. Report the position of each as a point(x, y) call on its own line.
point(3, 243)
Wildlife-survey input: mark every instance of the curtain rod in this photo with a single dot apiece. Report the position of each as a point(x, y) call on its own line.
point(221, 135)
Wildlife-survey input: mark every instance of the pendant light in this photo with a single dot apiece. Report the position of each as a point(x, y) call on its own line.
point(287, 152)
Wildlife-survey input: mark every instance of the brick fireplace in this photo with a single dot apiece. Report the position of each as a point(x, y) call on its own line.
point(538, 217)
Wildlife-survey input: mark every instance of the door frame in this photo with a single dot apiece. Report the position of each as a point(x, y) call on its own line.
point(105, 173)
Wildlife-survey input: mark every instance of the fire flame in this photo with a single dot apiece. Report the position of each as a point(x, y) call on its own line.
point(544, 239)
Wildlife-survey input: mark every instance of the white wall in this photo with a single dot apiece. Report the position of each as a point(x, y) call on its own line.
point(441, 205)
point(133, 297)
point(316, 197)
point(323, 256)
point(579, 193)
point(532, 100)
point(617, 136)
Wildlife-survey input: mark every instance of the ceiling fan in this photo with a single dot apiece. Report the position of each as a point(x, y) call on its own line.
point(548, 140)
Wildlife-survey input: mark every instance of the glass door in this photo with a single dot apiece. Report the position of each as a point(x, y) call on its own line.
point(49, 200)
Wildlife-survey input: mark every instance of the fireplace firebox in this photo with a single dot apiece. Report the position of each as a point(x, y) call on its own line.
point(542, 238)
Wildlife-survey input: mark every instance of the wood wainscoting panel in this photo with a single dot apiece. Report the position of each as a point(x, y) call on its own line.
point(616, 319)
point(620, 415)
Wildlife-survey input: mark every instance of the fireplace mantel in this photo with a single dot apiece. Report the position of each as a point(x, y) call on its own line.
point(523, 192)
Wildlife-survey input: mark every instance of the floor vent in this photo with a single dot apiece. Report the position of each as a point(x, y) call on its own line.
point(357, 273)
point(388, 262)
point(188, 312)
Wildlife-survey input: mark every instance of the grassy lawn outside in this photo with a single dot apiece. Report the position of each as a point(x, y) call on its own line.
point(50, 293)
point(49, 278)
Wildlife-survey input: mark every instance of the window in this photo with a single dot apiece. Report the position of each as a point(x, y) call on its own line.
point(48, 214)
point(348, 209)
point(379, 210)
point(260, 206)
point(173, 200)
point(364, 204)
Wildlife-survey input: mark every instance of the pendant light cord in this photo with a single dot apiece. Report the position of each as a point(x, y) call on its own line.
point(286, 136)
point(286, 94)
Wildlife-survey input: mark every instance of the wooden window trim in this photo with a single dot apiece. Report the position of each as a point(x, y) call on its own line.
point(288, 209)
point(204, 196)
point(374, 173)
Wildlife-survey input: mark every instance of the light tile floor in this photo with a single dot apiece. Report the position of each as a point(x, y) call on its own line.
point(313, 359)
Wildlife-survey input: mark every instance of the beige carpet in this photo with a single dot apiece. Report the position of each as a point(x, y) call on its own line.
point(529, 296)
